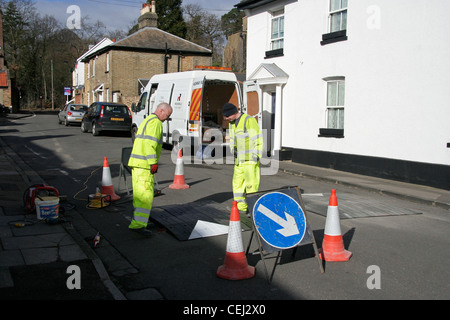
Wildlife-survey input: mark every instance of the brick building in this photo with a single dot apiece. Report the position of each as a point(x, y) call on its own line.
point(236, 49)
point(5, 81)
point(118, 72)
point(78, 75)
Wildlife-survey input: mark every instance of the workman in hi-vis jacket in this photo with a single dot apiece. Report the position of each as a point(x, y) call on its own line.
point(246, 141)
point(144, 163)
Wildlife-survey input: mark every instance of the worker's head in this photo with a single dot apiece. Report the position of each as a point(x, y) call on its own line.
point(230, 111)
point(163, 111)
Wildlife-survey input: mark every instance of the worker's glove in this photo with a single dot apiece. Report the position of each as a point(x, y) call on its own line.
point(154, 168)
point(255, 158)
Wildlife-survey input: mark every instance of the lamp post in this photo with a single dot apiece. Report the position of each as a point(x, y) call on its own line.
point(51, 64)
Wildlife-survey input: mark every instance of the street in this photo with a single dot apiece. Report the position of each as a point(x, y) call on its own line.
point(403, 254)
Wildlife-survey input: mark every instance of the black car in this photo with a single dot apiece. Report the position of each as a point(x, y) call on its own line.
point(106, 116)
point(4, 110)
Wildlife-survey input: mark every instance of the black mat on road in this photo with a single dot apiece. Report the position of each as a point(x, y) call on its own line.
point(353, 206)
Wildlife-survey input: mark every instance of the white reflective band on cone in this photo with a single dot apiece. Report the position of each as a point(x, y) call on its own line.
point(332, 225)
point(234, 241)
point(106, 178)
point(179, 170)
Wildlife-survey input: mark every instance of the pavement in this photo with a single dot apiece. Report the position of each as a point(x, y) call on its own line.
point(35, 255)
point(37, 258)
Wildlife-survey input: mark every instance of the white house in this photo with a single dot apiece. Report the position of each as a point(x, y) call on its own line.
point(78, 71)
point(354, 85)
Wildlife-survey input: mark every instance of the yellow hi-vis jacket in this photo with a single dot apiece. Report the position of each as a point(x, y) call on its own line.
point(246, 139)
point(147, 145)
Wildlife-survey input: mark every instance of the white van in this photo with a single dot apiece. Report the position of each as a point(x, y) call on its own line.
point(196, 97)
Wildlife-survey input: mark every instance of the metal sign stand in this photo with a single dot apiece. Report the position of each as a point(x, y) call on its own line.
point(293, 219)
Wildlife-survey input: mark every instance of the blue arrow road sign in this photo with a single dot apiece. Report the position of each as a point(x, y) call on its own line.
point(279, 220)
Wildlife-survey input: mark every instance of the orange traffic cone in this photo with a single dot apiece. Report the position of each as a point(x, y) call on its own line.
point(333, 244)
point(178, 181)
point(107, 186)
point(235, 266)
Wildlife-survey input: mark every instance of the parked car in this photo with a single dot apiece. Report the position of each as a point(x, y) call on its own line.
point(4, 110)
point(106, 116)
point(72, 113)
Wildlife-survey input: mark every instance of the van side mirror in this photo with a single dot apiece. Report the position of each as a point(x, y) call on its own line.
point(133, 107)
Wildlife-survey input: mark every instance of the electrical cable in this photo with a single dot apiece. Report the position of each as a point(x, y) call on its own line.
point(96, 201)
point(85, 185)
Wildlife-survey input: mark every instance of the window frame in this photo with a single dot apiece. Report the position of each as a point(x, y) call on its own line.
point(336, 35)
point(336, 131)
point(276, 15)
point(336, 12)
point(337, 104)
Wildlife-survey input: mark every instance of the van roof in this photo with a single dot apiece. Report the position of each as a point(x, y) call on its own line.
point(209, 74)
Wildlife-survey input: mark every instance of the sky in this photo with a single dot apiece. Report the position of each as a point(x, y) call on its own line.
point(115, 14)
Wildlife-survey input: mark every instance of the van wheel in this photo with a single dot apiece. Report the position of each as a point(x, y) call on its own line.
point(95, 131)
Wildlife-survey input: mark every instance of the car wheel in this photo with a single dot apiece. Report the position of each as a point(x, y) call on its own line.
point(95, 131)
point(66, 123)
point(83, 127)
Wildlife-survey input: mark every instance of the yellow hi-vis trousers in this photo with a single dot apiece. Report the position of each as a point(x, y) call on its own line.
point(246, 179)
point(143, 191)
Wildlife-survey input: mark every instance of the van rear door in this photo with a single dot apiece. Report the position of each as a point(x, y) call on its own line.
point(253, 105)
point(195, 108)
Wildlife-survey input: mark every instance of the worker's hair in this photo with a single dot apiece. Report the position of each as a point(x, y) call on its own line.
point(164, 106)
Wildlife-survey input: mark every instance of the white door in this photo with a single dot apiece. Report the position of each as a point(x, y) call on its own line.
point(115, 96)
point(254, 106)
point(252, 100)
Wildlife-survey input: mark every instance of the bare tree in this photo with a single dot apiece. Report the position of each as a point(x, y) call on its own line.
point(193, 16)
point(205, 29)
point(89, 33)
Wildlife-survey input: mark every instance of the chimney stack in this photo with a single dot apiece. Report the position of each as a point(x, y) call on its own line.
point(148, 17)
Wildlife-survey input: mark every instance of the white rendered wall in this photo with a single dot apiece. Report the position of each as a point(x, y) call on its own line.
point(397, 74)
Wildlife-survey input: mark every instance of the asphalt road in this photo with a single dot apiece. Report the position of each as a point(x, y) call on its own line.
point(407, 255)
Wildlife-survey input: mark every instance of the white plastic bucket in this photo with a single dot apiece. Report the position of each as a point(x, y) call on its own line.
point(47, 208)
